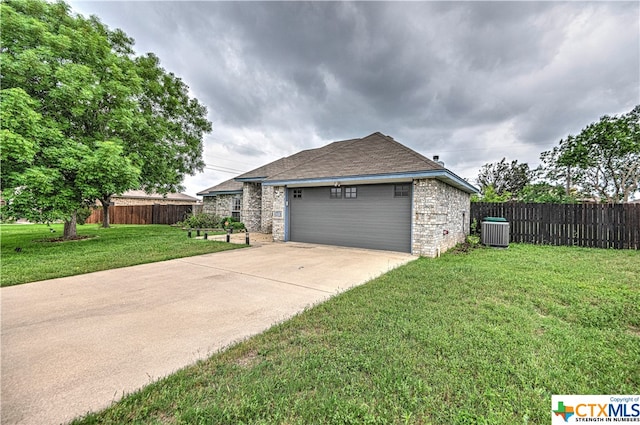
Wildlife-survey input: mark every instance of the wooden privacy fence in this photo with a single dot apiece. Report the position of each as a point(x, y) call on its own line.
point(589, 225)
point(143, 214)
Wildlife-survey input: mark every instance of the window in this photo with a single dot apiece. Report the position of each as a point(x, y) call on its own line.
point(297, 193)
point(350, 192)
point(336, 193)
point(401, 190)
point(236, 207)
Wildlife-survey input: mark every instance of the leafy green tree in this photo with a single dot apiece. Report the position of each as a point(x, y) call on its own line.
point(169, 128)
point(104, 172)
point(603, 159)
point(545, 193)
point(83, 119)
point(489, 194)
point(22, 130)
point(504, 177)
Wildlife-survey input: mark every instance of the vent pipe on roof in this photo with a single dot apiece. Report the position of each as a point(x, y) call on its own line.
point(436, 158)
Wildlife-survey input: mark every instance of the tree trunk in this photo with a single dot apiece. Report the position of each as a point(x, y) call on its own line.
point(70, 230)
point(105, 211)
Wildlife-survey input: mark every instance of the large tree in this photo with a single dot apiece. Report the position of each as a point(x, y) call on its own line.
point(504, 177)
point(603, 160)
point(88, 119)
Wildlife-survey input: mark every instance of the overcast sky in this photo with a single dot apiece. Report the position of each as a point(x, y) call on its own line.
point(472, 82)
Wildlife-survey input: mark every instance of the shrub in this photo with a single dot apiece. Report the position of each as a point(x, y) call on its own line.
point(236, 225)
point(201, 221)
point(231, 223)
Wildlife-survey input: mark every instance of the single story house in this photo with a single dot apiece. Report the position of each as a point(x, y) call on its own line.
point(371, 193)
point(140, 197)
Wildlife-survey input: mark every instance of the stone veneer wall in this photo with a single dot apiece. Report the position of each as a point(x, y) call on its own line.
point(279, 211)
point(438, 207)
point(252, 206)
point(219, 205)
point(267, 209)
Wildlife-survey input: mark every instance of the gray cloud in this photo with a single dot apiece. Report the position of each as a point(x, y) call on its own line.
point(472, 81)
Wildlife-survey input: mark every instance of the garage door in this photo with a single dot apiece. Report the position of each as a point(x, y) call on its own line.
point(366, 216)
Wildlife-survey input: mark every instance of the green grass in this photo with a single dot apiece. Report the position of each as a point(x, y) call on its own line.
point(118, 246)
point(479, 338)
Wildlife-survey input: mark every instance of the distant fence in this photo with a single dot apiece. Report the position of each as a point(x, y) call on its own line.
point(589, 225)
point(144, 214)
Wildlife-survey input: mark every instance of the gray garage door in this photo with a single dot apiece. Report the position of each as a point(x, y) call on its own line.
point(367, 216)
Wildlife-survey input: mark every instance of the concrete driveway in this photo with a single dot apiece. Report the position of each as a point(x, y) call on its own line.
point(77, 344)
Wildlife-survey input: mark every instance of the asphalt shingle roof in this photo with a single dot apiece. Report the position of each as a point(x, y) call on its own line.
point(226, 186)
point(372, 155)
point(375, 154)
point(287, 163)
point(141, 194)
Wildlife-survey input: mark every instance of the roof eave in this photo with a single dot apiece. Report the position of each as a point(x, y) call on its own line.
point(440, 174)
point(251, 179)
point(221, 192)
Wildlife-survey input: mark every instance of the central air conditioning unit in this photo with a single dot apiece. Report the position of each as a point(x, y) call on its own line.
point(495, 232)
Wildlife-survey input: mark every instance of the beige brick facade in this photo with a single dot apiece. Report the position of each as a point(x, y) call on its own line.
point(440, 217)
point(222, 205)
point(279, 211)
point(252, 206)
point(267, 209)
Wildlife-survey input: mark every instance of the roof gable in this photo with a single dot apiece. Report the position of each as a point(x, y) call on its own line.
point(371, 155)
point(230, 185)
point(369, 158)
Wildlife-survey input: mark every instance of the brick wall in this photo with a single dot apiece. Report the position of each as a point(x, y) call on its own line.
point(267, 209)
point(252, 206)
point(438, 209)
point(278, 215)
point(220, 205)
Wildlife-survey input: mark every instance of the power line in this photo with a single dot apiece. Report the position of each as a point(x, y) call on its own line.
point(222, 171)
point(223, 168)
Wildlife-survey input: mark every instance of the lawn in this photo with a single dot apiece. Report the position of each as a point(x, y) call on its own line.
point(480, 338)
point(27, 258)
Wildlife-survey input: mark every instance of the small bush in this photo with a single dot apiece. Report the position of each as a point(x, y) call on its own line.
point(237, 225)
point(231, 223)
point(201, 221)
point(475, 228)
point(473, 240)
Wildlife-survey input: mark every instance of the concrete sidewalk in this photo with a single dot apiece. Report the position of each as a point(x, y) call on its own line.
point(76, 344)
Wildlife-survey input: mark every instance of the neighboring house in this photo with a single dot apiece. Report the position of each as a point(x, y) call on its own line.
point(371, 193)
point(140, 197)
